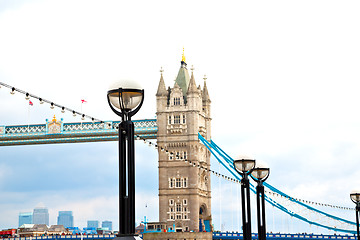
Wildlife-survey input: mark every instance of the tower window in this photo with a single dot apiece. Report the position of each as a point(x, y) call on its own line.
point(177, 119)
point(169, 119)
point(171, 202)
point(184, 119)
point(178, 207)
point(185, 203)
point(171, 183)
point(178, 183)
point(185, 182)
point(177, 101)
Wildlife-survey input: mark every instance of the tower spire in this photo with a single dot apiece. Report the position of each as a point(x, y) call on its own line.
point(205, 91)
point(161, 87)
point(183, 77)
point(183, 56)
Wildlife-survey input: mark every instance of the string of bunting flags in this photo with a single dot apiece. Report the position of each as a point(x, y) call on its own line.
point(52, 104)
point(75, 113)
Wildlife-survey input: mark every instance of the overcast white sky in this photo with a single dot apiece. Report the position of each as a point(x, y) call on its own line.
point(283, 77)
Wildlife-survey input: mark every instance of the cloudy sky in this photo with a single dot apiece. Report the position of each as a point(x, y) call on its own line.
point(283, 77)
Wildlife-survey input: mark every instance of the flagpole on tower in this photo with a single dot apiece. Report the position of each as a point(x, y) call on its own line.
point(28, 120)
point(30, 104)
point(82, 118)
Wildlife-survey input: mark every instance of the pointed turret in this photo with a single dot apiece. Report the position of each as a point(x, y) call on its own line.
point(183, 78)
point(161, 88)
point(205, 95)
point(192, 85)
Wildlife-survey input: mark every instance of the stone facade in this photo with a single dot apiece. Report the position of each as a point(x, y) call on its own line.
point(184, 190)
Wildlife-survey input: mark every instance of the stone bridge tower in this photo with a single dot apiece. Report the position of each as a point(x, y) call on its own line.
point(183, 111)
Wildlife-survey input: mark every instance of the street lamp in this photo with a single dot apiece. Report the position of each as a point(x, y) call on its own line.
point(260, 174)
point(125, 99)
point(355, 197)
point(244, 165)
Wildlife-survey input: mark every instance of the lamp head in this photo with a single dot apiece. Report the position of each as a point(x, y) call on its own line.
point(125, 98)
point(244, 164)
point(260, 172)
point(355, 195)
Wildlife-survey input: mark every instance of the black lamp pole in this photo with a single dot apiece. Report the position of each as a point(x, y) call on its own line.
point(355, 197)
point(260, 174)
point(260, 199)
point(126, 178)
point(357, 209)
point(244, 168)
point(246, 210)
point(126, 157)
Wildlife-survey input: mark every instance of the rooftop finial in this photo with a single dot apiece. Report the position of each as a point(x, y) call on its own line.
point(205, 78)
point(183, 56)
point(161, 70)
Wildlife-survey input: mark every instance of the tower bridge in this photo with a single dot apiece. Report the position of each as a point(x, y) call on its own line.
point(183, 117)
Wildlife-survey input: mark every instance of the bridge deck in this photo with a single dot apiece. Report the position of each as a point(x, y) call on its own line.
point(59, 132)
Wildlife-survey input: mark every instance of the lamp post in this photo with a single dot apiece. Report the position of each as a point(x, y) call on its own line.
point(244, 166)
point(355, 197)
point(125, 99)
point(260, 174)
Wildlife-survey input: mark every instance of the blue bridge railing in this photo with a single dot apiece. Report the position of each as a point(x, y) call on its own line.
point(282, 236)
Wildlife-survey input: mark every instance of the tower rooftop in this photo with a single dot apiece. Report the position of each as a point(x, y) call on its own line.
point(183, 77)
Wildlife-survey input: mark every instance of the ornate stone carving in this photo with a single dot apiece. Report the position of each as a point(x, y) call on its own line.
point(54, 126)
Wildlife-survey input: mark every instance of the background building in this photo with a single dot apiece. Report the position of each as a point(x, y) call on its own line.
point(25, 218)
point(107, 224)
point(66, 219)
point(92, 224)
point(41, 216)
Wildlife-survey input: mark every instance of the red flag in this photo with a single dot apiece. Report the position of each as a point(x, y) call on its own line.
point(30, 103)
point(83, 101)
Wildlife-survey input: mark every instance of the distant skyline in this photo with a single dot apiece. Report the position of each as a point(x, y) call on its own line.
point(64, 217)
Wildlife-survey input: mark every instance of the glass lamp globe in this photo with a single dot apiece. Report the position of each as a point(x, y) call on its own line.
point(355, 195)
point(244, 163)
point(125, 95)
point(261, 171)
